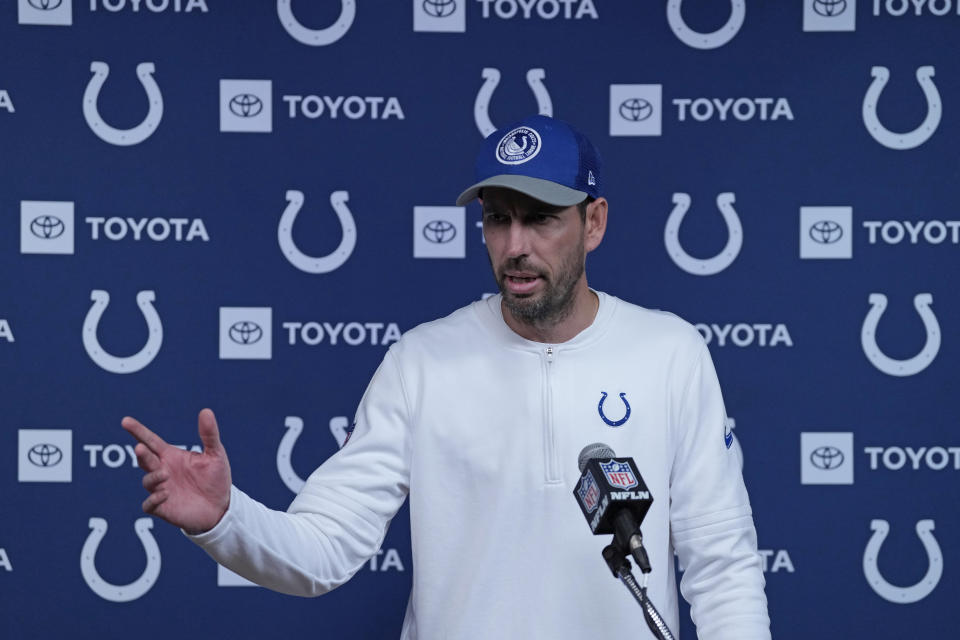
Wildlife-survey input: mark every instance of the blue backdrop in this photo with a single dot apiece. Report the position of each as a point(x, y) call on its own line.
point(242, 204)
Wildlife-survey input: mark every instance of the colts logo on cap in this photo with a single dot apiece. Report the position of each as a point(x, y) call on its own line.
point(518, 146)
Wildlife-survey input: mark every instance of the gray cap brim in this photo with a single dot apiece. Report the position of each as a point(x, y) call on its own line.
point(542, 190)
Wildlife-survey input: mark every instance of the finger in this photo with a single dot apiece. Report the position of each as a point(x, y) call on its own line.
point(146, 459)
point(153, 501)
point(153, 480)
point(208, 431)
point(154, 442)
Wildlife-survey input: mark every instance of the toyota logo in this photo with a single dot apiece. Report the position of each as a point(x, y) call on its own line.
point(45, 455)
point(246, 105)
point(439, 8)
point(47, 227)
point(45, 5)
point(826, 232)
point(245, 332)
point(635, 109)
point(439, 231)
point(829, 8)
point(826, 458)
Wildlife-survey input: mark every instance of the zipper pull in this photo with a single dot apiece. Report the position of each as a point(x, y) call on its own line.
point(549, 354)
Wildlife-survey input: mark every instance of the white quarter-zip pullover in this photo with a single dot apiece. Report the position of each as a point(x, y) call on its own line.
point(482, 428)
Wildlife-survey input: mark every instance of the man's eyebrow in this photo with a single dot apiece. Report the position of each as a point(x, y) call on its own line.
point(545, 209)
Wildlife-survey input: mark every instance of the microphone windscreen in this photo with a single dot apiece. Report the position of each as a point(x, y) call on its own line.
point(595, 450)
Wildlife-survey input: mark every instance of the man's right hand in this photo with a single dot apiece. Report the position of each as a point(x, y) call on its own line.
point(187, 489)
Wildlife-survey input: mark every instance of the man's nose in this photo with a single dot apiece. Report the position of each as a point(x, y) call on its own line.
point(518, 240)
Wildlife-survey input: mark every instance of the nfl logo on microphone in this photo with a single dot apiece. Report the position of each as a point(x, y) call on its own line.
point(589, 493)
point(619, 474)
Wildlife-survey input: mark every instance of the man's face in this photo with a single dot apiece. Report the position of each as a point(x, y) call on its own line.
point(536, 251)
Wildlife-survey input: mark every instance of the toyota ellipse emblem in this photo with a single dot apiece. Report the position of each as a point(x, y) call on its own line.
point(45, 455)
point(45, 5)
point(635, 109)
point(439, 8)
point(826, 232)
point(245, 332)
point(439, 231)
point(829, 8)
point(47, 227)
point(826, 458)
point(246, 105)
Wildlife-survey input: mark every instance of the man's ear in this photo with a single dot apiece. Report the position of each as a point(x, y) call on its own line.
point(596, 224)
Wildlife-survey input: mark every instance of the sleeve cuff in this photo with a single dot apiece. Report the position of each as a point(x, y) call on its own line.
point(223, 526)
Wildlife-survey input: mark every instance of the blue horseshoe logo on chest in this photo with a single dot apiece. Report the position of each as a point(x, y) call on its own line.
point(613, 423)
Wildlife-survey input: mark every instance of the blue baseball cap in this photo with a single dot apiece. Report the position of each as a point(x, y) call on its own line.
point(546, 159)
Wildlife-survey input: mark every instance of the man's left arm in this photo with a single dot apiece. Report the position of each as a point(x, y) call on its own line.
point(710, 517)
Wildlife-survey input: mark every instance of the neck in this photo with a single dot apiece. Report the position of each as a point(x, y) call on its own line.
point(582, 312)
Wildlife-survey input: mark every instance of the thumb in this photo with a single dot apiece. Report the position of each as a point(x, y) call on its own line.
point(208, 432)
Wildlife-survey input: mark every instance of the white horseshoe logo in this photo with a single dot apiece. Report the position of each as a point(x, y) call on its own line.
point(919, 362)
point(317, 37)
point(491, 78)
point(697, 40)
point(903, 595)
point(329, 262)
point(115, 592)
point(290, 478)
point(913, 138)
point(719, 262)
point(338, 428)
point(294, 425)
point(122, 137)
point(129, 364)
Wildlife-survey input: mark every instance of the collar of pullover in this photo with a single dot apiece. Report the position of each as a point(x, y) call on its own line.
point(491, 316)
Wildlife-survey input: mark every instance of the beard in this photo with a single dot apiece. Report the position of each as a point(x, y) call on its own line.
point(555, 302)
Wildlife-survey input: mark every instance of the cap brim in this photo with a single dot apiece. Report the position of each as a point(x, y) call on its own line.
point(543, 190)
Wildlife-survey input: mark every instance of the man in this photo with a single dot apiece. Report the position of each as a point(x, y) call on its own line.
point(480, 416)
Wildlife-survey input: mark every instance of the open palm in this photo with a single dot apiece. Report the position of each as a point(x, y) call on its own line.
point(187, 489)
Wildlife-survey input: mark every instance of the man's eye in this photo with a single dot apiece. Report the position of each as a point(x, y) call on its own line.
point(494, 218)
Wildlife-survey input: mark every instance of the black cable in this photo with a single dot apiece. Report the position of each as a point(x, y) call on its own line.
point(653, 618)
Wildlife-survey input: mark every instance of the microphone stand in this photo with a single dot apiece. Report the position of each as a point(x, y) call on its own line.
point(629, 541)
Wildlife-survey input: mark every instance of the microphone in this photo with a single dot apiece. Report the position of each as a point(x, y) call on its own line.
point(614, 498)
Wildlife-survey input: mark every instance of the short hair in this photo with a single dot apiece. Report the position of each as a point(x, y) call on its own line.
point(582, 207)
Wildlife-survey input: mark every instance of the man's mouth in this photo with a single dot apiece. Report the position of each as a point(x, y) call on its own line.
point(521, 282)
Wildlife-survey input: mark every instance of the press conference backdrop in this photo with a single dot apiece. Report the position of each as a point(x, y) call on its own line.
point(241, 205)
